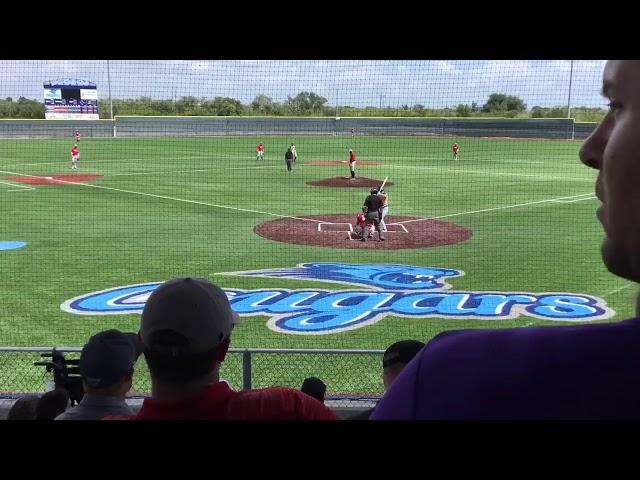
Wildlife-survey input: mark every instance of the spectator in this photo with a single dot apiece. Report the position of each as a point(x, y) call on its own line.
point(395, 358)
point(52, 404)
point(185, 330)
point(581, 372)
point(24, 408)
point(106, 367)
point(314, 387)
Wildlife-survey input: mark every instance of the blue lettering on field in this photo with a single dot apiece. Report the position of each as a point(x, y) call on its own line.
point(390, 289)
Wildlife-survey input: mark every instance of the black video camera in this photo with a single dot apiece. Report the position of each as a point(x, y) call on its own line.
point(66, 374)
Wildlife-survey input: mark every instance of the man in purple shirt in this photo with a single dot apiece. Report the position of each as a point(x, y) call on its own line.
point(574, 372)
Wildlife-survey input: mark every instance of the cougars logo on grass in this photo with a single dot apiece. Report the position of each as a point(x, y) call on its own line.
point(386, 289)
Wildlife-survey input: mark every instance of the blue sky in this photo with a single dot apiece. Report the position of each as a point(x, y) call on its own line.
point(434, 84)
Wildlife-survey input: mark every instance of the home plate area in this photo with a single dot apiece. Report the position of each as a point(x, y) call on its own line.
point(337, 231)
point(347, 228)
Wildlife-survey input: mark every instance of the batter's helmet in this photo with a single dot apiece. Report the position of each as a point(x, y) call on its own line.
point(374, 191)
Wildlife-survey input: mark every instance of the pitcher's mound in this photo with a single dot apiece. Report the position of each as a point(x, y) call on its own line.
point(346, 182)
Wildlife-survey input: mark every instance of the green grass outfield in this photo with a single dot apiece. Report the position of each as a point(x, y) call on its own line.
point(83, 239)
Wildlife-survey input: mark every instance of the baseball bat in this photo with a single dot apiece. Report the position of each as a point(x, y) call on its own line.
point(385, 181)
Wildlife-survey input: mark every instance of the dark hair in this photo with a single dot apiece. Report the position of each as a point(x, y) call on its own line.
point(314, 387)
point(170, 361)
point(24, 408)
point(400, 353)
point(52, 404)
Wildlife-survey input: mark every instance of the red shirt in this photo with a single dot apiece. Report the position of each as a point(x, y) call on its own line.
point(456, 148)
point(352, 157)
point(361, 219)
point(75, 151)
point(77, 134)
point(260, 148)
point(219, 402)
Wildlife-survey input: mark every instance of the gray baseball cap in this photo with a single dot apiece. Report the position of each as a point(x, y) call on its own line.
point(109, 357)
point(192, 307)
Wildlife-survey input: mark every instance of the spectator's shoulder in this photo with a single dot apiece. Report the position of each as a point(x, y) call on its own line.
point(120, 417)
point(286, 403)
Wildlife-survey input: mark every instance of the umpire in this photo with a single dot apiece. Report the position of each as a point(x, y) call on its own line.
point(288, 158)
point(371, 209)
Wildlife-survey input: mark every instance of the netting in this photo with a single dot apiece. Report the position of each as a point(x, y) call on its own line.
point(490, 219)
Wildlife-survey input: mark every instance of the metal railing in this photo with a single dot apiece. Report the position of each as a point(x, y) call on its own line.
point(350, 375)
point(125, 126)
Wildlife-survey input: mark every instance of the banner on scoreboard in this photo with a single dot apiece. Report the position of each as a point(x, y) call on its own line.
point(71, 99)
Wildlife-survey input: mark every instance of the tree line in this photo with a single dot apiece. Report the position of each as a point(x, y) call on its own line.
point(307, 104)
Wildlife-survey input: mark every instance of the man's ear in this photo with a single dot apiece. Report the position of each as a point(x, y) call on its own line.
point(221, 353)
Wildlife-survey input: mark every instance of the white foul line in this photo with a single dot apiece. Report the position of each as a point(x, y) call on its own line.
point(126, 159)
point(591, 196)
point(102, 187)
point(448, 157)
point(488, 173)
point(19, 187)
point(618, 289)
point(489, 209)
point(228, 207)
point(190, 171)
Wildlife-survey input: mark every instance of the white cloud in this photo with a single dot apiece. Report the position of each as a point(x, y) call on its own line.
point(61, 66)
point(501, 70)
point(199, 66)
point(358, 82)
point(445, 66)
point(561, 65)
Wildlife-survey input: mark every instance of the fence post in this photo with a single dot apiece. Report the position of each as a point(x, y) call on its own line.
point(246, 370)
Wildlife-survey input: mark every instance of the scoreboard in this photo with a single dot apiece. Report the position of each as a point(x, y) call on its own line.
point(71, 99)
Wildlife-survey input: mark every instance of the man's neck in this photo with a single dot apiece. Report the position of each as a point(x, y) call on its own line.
point(94, 397)
point(164, 392)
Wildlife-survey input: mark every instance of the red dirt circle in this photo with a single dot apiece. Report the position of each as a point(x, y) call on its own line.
point(335, 231)
point(348, 182)
point(54, 179)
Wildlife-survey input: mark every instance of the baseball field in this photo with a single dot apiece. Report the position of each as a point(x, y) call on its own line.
point(142, 210)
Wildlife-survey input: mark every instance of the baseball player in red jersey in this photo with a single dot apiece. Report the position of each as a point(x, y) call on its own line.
point(353, 132)
point(76, 134)
point(360, 224)
point(75, 157)
point(260, 152)
point(456, 149)
point(352, 163)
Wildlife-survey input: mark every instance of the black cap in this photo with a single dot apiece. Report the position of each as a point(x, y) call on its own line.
point(401, 352)
point(314, 387)
point(108, 357)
